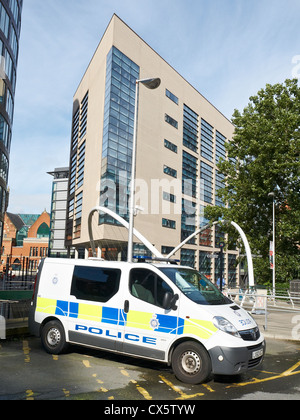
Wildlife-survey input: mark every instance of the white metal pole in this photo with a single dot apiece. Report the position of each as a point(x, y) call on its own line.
point(248, 254)
point(132, 184)
point(274, 227)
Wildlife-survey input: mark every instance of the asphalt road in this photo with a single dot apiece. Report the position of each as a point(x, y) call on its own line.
point(27, 372)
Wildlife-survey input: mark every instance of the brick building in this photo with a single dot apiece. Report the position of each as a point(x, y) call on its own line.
point(25, 240)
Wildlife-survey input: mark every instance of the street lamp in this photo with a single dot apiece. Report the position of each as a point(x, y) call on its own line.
point(152, 83)
point(272, 194)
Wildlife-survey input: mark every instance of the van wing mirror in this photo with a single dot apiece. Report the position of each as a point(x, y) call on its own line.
point(169, 301)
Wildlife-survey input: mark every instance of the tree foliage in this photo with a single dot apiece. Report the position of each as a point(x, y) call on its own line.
point(263, 157)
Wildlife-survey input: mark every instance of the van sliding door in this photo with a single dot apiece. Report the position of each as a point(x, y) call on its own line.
point(148, 327)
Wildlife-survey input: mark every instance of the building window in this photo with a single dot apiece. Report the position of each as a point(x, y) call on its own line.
point(220, 147)
point(218, 269)
point(69, 222)
point(9, 104)
point(73, 174)
point(206, 176)
point(121, 76)
point(13, 41)
point(171, 96)
point(171, 146)
point(3, 166)
point(166, 250)
point(189, 174)
point(43, 231)
point(4, 133)
point(190, 129)
point(232, 263)
point(75, 130)
point(4, 21)
point(170, 171)
point(169, 197)
point(78, 214)
point(188, 220)
point(80, 165)
point(170, 224)
point(83, 115)
point(205, 237)
point(205, 264)
point(171, 121)
point(187, 257)
point(206, 140)
point(8, 65)
point(219, 236)
point(220, 183)
point(14, 7)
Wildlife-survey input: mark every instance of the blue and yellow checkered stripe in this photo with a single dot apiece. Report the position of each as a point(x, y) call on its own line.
point(134, 319)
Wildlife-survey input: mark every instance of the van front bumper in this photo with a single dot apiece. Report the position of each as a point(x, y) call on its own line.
point(233, 361)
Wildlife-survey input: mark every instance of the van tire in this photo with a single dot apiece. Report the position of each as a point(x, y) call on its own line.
point(53, 338)
point(191, 363)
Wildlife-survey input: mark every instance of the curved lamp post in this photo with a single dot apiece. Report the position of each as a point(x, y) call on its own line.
point(152, 83)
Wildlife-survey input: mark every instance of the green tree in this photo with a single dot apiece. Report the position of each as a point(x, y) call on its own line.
point(263, 157)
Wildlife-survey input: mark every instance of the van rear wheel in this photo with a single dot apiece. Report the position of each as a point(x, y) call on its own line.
point(191, 363)
point(53, 338)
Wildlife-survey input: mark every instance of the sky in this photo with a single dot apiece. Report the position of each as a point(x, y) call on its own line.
point(227, 49)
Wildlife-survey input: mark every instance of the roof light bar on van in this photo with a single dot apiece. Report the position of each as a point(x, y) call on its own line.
point(143, 258)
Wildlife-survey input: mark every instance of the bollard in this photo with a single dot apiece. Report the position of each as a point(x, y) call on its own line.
point(2, 328)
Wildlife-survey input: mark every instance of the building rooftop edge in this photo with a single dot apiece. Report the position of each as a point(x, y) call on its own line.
point(193, 87)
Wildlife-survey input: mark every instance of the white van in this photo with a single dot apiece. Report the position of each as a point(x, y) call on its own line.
point(162, 312)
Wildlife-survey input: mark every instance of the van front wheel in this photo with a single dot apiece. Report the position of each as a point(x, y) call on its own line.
point(53, 338)
point(191, 363)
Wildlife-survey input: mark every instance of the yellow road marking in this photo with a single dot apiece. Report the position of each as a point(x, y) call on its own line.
point(29, 395)
point(144, 393)
point(208, 388)
point(291, 370)
point(86, 364)
point(66, 392)
point(26, 351)
point(124, 372)
point(288, 372)
point(140, 389)
point(103, 389)
point(175, 388)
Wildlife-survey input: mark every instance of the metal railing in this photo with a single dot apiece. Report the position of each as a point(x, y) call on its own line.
point(14, 309)
point(264, 302)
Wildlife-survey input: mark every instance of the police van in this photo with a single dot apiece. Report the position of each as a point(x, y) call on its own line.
point(159, 311)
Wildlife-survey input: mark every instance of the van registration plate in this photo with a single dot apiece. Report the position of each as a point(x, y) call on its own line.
point(258, 353)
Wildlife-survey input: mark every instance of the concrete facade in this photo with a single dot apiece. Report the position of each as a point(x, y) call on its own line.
point(180, 138)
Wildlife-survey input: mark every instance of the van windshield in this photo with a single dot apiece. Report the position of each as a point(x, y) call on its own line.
point(195, 286)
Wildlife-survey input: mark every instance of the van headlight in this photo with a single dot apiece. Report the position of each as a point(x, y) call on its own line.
point(224, 325)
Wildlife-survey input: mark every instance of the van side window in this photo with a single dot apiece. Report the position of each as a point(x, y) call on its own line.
point(147, 286)
point(94, 283)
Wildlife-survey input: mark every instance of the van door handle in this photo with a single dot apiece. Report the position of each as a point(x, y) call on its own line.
point(126, 306)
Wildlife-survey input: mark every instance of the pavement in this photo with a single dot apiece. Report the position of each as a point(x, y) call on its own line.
point(278, 324)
